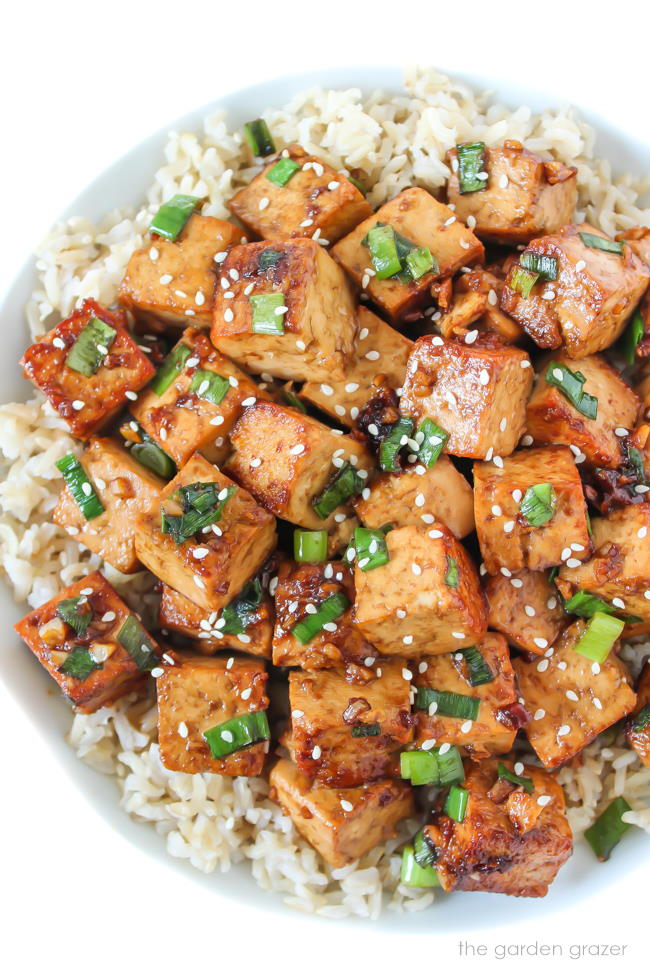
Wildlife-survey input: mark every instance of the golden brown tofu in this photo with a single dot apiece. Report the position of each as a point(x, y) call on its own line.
point(197, 694)
point(524, 196)
point(509, 842)
point(341, 824)
point(316, 201)
point(87, 400)
point(506, 536)
point(475, 306)
point(642, 390)
point(587, 307)
point(419, 496)
point(345, 733)
point(619, 570)
point(206, 631)
point(197, 411)
point(526, 608)
point(570, 698)
point(476, 393)
point(125, 488)
point(381, 353)
point(312, 338)
point(552, 418)
point(86, 657)
point(174, 280)
point(212, 565)
point(493, 731)
point(286, 459)
point(303, 585)
point(425, 600)
point(637, 728)
point(423, 221)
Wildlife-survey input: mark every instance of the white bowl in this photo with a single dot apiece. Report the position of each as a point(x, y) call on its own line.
point(125, 182)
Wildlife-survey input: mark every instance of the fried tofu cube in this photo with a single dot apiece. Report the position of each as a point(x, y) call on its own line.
point(341, 824)
point(619, 570)
point(381, 353)
point(211, 566)
point(552, 418)
point(196, 412)
point(286, 459)
point(587, 307)
point(125, 488)
point(87, 400)
point(197, 694)
point(315, 200)
point(181, 615)
point(312, 338)
point(639, 240)
point(422, 220)
point(419, 496)
point(507, 539)
point(525, 196)
point(526, 608)
point(637, 729)
point(87, 660)
point(509, 842)
point(476, 393)
point(174, 280)
point(345, 733)
point(425, 600)
point(571, 699)
point(493, 731)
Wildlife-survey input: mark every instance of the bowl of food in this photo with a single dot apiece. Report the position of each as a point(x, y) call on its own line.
point(326, 504)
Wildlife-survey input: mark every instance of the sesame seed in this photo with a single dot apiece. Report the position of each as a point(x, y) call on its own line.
point(597, 704)
point(471, 221)
point(529, 610)
point(419, 500)
point(484, 377)
point(198, 581)
point(503, 181)
point(563, 730)
point(416, 569)
point(508, 526)
point(406, 674)
point(372, 355)
point(157, 671)
point(543, 800)
point(58, 343)
point(526, 440)
point(566, 553)
point(346, 805)
point(246, 693)
point(182, 729)
point(548, 295)
point(519, 768)
point(618, 602)
point(458, 635)
point(571, 695)
point(492, 297)
point(573, 563)
point(642, 532)
point(216, 421)
point(256, 462)
point(542, 665)
point(516, 583)
point(581, 265)
point(621, 432)
point(264, 202)
point(87, 489)
point(466, 727)
point(449, 221)
point(444, 748)
point(200, 553)
point(540, 642)
point(435, 533)
point(78, 404)
point(316, 753)
point(496, 510)
point(299, 448)
point(540, 713)
point(471, 336)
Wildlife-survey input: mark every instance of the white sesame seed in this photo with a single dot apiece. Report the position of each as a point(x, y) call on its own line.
point(316, 753)
point(298, 448)
point(198, 581)
point(543, 800)
point(497, 511)
point(471, 221)
point(540, 642)
point(58, 343)
point(571, 695)
point(484, 377)
point(519, 768)
point(157, 671)
point(182, 729)
point(256, 462)
point(529, 610)
point(435, 533)
point(200, 553)
point(618, 602)
point(78, 404)
point(542, 666)
point(372, 355)
point(581, 265)
point(419, 500)
point(642, 532)
point(621, 432)
point(573, 563)
point(444, 748)
point(548, 295)
point(597, 704)
point(508, 526)
point(264, 202)
point(416, 569)
point(540, 713)
point(563, 730)
point(346, 805)
point(566, 553)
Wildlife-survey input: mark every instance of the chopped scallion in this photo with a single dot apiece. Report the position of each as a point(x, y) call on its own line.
point(504, 773)
point(599, 243)
point(78, 618)
point(631, 338)
point(383, 251)
point(90, 348)
point(328, 611)
point(471, 163)
point(451, 575)
point(239, 613)
point(79, 664)
point(370, 546)
point(522, 280)
point(357, 184)
point(209, 385)
point(431, 768)
point(392, 443)
point(641, 721)
point(344, 485)
point(413, 875)
point(282, 171)
point(584, 604)
point(170, 369)
point(456, 803)
point(609, 829)
point(152, 456)
point(599, 637)
point(366, 730)
point(539, 504)
point(434, 439)
point(80, 487)
point(269, 258)
point(294, 400)
point(259, 138)
point(133, 637)
point(419, 262)
point(267, 319)
point(571, 384)
point(425, 854)
point(477, 666)
point(173, 215)
point(309, 546)
point(239, 732)
point(449, 704)
point(203, 505)
point(542, 265)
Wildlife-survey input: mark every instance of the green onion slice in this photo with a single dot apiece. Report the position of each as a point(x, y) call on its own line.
point(173, 215)
point(90, 348)
point(609, 829)
point(602, 243)
point(601, 634)
point(571, 384)
point(584, 604)
point(259, 138)
point(380, 241)
point(451, 575)
point(309, 546)
point(328, 611)
point(631, 338)
point(425, 854)
point(471, 162)
point(79, 664)
point(203, 505)
point(635, 457)
point(150, 455)
point(240, 732)
point(641, 720)
point(80, 487)
point(269, 258)
point(419, 262)
point(294, 400)
point(393, 442)
point(504, 773)
point(456, 803)
point(170, 369)
point(70, 612)
point(413, 875)
point(238, 614)
point(344, 485)
point(449, 703)
point(431, 768)
point(371, 548)
point(366, 730)
point(522, 281)
point(542, 265)
point(358, 185)
point(267, 318)
point(432, 442)
point(133, 637)
point(539, 504)
point(209, 386)
point(477, 666)
point(282, 171)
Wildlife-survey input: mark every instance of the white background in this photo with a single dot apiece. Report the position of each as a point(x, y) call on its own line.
point(81, 83)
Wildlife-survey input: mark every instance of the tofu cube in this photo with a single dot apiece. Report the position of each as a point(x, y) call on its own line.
point(212, 566)
point(526, 608)
point(313, 338)
point(286, 459)
point(174, 280)
point(419, 496)
point(493, 731)
point(571, 699)
point(87, 402)
point(316, 201)
point(185, 417)
point(552, 419)
point(506, 537)
point(423, 221)
point(380, 357)
point(87, 661)
point(637, 729)
point(125, 488)
point(508, 843)
point(524, 197)
point(425, 600)
point(181, 615)
point(341, 824)
point(477, 393)
point(196, 694)
point(587, 307)
point(326, 707)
